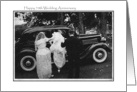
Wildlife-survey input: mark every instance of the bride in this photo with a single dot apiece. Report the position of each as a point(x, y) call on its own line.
point(43, 56)
point(58, 51)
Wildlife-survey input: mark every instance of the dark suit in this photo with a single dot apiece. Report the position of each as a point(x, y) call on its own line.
point(73, 47)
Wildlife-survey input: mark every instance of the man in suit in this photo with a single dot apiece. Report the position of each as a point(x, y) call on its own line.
point(73, 47)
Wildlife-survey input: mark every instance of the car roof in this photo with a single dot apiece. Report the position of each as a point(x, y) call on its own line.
point(44, 28)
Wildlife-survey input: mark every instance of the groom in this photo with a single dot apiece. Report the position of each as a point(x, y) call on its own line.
point(73, 47)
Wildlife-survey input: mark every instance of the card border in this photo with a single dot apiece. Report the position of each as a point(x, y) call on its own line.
point(65, 80)
point(71, 0)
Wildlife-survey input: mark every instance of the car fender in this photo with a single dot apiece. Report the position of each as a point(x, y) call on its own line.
point(27, 50)
point(88, 51)
point(104, 45)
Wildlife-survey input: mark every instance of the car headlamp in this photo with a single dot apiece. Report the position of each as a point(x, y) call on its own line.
point(103, 38)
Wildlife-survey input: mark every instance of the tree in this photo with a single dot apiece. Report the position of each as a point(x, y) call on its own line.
point(81, 26)
point(80, 20)
point(62, 18)
point(103, 24)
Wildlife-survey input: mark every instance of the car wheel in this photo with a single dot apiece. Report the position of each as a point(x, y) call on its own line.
point(27, 62)
point(100, 55)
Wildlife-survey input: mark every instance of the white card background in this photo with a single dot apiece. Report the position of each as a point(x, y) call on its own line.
point(119, 83)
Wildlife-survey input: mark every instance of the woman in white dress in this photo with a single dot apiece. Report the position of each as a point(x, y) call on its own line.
point(43, 56)
point(58, 51)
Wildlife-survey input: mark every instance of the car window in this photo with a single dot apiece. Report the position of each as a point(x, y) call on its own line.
point(48, 33)
point(89, 31)
point(65, 33)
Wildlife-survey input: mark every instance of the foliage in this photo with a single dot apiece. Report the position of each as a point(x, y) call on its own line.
point(80, 20)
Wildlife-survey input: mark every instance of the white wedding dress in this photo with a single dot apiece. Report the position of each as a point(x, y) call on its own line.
point(43, 57)
point(58, 51)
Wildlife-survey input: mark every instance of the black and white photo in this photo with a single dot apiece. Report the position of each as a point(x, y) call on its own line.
point(63, 45)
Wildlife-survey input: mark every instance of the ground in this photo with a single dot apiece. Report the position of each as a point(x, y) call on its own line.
point(88, 70)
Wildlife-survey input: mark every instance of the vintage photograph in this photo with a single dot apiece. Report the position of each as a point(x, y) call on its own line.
point(63, 45)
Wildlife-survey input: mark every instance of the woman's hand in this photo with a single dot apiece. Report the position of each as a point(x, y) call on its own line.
point(51, 42)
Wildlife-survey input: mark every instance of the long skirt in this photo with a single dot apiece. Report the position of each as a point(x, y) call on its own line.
point(59, 58)
point(44, 67)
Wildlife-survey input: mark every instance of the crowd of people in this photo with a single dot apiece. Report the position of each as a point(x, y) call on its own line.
point(59, 47)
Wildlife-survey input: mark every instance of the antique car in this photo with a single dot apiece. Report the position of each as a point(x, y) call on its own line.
point(94, 47)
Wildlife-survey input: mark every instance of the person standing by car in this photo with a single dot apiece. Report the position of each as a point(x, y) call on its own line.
point(43, 56)
point(73, 47)
point(58, 51)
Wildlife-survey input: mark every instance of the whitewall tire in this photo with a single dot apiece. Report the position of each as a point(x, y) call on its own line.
point(28, 63)
point(99, 55)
